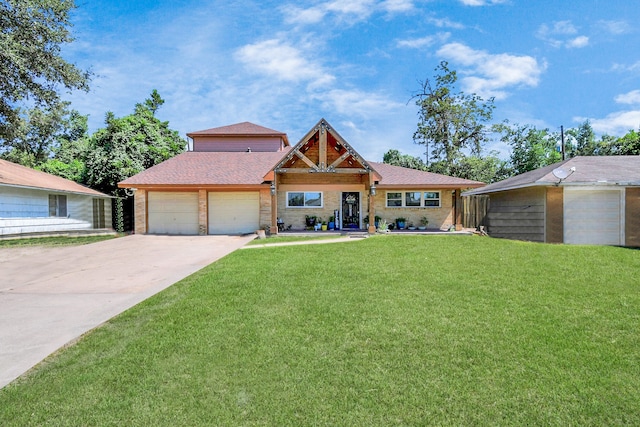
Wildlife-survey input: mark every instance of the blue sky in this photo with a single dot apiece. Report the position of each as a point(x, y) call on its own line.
point(285, 65)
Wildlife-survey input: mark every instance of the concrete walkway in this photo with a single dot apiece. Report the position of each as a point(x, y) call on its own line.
point(50, 296)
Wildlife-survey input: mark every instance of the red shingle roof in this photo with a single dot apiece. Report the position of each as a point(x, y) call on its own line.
point(208, 168)
point(398, 176)
point(242, 168)
point(20, 176)
point(240, 129)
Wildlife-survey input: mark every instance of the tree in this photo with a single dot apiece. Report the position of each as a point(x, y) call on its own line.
point(396, 158)
point(477, 168)
point(37, 133)
point(129, 145)
point(32, 70)
point(628, 145)
point(531, 148)
point(585, 141)
point(450, 122)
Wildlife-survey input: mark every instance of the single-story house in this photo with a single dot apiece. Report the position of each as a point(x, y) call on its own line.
point(32, 201)
point(244, 177)
point(582, 200)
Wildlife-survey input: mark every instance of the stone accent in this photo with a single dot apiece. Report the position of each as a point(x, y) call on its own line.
point(202, 213)
point(140, 211)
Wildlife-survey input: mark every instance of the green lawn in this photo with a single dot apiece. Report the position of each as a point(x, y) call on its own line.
point(54, 241)
point(390, 330)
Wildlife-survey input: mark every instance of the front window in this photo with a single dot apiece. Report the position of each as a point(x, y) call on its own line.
point(413, 199)
point(57, 205)
point(394, 200)
point(304, 199)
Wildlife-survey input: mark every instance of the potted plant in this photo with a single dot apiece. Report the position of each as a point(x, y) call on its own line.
point(383, 227)
point(377, 221)
point(411, 226)
point(401, 223)
point(332, 222)
point(310, 220)
point(318, 224)
point(324, 225)
point(423, 223)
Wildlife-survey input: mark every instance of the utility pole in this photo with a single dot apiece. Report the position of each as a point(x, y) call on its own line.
point(562, 139)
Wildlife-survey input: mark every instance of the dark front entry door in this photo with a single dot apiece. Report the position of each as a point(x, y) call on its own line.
point(351, 210)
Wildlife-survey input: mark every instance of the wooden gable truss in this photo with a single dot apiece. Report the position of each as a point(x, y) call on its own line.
point(322, 151)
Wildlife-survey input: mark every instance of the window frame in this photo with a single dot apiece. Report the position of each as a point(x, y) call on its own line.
point(406, 195)
point(305, 200)
point(58, 206)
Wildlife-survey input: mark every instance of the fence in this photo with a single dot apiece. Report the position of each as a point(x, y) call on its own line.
point(474, 211)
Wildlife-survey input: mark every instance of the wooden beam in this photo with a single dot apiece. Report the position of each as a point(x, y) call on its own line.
point(306, 160)
point(322, 159)
point(339, 160)
point(372, 209)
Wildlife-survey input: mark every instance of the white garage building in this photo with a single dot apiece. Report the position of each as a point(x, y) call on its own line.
point(583, 200)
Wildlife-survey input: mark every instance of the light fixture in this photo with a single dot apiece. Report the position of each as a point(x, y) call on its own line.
point(373, 189)
point(273, 188)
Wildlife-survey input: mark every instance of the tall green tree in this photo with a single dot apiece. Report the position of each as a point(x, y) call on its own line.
point(627, 145)
point(129, 145)
point(32, 70)
point(485, 169)
point(37, 133)
point(531, 148)
point(396, 158)
point(584, 139)
point(450, 122)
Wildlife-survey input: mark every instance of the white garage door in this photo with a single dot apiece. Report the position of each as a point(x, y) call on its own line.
point(173, 212)
point(592, 217)
point(232, 213)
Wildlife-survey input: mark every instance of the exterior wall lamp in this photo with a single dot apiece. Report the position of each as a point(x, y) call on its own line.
point(273, 188)
point(373, 189)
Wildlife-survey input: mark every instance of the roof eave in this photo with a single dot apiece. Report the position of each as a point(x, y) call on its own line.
point(56, 190)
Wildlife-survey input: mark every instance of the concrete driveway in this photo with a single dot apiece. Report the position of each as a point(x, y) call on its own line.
point(50, 296)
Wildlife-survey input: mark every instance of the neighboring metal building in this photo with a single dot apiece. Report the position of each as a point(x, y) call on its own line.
point(582, 200)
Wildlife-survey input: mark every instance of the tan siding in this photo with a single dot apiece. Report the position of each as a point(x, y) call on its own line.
point(140, 211)
point(517, 214)
point(203, 212)
point(265, 208)
point(439, 218)
point(236, 144)
point(632, 217)
point(332, 201)
point(554, 217)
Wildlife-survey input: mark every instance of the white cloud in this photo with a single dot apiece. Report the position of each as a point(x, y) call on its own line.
point(578, 42)
point(283, 61)
point(615, 27)
point(424, 41)
point(393, 6)
point(635, 67)
point(492, 74)
point(445, 23)
point(617, 124)
point(356, 102)
point(349, 11)
point(297, 15)
point(562, 34)
point(632, 97)
point(481, 2)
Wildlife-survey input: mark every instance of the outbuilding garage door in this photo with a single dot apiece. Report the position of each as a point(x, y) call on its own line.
point(173, 212)
point(232, 213)
point(592, 217)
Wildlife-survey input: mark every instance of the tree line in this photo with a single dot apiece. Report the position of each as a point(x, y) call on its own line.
point(39, 130)
point(454, 129)
point(37, 127)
